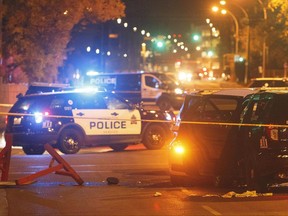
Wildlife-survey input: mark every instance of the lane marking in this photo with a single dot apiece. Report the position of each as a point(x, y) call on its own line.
point(212, 211)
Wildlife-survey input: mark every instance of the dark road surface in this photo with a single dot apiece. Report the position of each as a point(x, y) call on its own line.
point(144, 188)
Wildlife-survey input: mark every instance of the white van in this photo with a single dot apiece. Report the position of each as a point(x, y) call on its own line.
point(150, 88)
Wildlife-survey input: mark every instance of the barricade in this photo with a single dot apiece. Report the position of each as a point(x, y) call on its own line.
point(63, 168)
point(5, 156)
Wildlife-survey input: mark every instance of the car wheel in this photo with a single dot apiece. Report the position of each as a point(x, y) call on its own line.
point(118, 147)
point(164, 104)
point(255, 181)
point(70, 141)
point(262, 184)
point(155, 137)
point(33, 150)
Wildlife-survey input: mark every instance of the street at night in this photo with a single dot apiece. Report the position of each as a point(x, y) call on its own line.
point(143, 108)
point(144, 188)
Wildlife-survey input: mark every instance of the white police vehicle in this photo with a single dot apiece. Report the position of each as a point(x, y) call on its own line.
point(150, 88)
point(75, 119)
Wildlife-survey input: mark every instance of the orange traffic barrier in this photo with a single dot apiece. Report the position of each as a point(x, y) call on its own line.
point(62, 164)
point(63, 168)
point(5, 156)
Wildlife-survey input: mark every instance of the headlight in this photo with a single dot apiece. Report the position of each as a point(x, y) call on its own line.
point(177, 147)
point(178, 91)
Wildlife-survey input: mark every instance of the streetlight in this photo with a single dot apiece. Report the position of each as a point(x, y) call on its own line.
point(223, 2)
point(224, 11)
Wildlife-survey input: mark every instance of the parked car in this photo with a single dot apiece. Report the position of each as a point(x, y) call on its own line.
point(71, 120)
point(268, 82)
point(265, 140)
point(206, 141)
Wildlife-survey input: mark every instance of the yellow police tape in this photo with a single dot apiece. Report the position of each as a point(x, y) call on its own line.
point(82, 117)
point(6, 105)
point(151, 120)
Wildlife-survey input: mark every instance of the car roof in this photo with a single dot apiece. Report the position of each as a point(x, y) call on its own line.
point(276, 90)
point(43, 84)
point(269, 78)
point(237, 92)
point(72, 91)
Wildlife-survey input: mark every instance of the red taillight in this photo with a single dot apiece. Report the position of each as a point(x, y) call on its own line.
point(6, 120)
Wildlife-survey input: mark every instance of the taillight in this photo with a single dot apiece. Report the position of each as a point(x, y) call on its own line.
point(6, 120)
point(272, 133)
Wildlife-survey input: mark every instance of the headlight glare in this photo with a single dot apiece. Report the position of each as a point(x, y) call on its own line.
point(178, 91)
point(38, 117)
point(178, 147)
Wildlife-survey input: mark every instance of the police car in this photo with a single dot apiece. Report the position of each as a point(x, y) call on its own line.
point(71, 120)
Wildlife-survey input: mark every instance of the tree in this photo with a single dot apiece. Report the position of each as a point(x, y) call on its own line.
point(278, 34)
point(36, 32)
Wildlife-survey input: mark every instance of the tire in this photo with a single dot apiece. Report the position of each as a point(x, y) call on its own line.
point(70, 141)
point(262, 183)
point(164, 104)
point(33, 150)
point(155, 137)
point(118, 147)
point(255, 181)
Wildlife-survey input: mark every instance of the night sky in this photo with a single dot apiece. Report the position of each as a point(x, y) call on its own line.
point(167, 16)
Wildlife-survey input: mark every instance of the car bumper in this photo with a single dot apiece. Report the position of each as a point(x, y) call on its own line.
point(180, 166)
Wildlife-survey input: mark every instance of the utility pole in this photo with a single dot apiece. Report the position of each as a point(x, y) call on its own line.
point(264, 39)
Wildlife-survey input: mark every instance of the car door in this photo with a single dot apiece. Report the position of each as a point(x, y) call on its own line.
point(212, 132)
point(105, 117)
point(150, 89)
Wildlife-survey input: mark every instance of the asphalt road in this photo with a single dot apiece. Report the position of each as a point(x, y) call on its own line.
point(144, 188)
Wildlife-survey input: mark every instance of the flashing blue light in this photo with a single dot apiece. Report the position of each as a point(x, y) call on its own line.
point(92, 73)
point(38, 117)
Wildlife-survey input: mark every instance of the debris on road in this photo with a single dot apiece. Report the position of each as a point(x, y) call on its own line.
point(112, 180)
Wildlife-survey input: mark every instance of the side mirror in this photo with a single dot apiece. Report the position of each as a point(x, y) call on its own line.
point(19, 95)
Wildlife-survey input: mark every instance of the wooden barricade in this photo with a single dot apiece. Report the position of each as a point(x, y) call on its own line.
point(5, 156)
point(63, 168)
point(62, 164)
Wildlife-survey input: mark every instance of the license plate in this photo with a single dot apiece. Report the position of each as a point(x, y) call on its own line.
point(17, 121)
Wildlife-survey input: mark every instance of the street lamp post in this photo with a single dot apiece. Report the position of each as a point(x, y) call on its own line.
point(223, 2)
point(224, 11)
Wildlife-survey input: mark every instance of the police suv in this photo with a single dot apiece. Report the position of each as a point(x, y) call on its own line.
point(74, 119)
